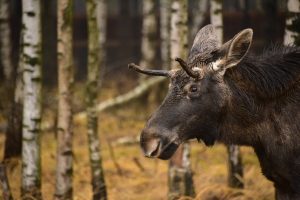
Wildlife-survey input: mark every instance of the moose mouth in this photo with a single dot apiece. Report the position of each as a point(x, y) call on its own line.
point(164, 151)
point(167, 151)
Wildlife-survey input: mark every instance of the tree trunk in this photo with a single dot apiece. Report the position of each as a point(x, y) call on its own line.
point(64, 160)
point(148, 34)
point(94, 59)
point(31, 61)
point(235, 167)
point(5, 42)
point(165, 26)
point(198, 16)
point(13, 140)
point(179, 32)
point(292, 29)
point(101, 20)
point(180, 173)
point(216, 17)
point(14, 87)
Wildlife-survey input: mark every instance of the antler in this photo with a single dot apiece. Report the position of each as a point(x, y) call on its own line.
point(188, 70)
point(151, 72)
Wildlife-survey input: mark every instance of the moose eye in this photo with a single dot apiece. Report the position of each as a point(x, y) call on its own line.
point(193, 88)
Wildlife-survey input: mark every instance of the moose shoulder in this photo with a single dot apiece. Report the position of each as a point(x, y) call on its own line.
point(223, 94)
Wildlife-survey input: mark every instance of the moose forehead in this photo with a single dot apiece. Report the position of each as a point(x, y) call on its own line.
point(180, 78)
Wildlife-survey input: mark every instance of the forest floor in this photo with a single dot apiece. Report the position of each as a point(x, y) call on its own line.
point(142, 178)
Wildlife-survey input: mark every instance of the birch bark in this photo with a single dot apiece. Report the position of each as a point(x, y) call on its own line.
point(94, 59)
point(293, 12)
point(216, 17)
point(165, 26)
point(31, 61)
point(64, 160)
point(180, 173)
point(235, 167)
point(148, 34)
point(179, 32)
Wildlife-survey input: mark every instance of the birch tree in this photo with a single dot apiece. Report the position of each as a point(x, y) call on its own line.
point(148, 33)
point(94, 59)
point(292, 29)
point(180, 173)
point(5, 42)
point(31, 61)
point(165, 26)
point(216, 17)
point(101, 20)
point(64, 161)
point(235, 168)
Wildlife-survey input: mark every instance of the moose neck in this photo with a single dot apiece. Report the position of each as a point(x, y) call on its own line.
point(258, 85)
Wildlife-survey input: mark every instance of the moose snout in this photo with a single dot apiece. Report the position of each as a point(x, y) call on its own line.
point(150, 143)
point(158, 142)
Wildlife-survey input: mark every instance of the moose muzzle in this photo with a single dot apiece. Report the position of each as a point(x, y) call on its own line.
point(156, 145)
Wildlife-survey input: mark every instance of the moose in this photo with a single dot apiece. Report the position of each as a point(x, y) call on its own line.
point(221, 93)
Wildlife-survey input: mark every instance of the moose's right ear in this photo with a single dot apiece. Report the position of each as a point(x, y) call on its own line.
point(233, 51)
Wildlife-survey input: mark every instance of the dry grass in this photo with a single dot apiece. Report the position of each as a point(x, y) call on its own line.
point(209, 165)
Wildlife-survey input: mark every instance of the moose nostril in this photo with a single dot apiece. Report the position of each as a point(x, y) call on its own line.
point(152, 148)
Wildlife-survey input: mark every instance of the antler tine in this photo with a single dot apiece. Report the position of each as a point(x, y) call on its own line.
point(151, 72)
point(188, 70)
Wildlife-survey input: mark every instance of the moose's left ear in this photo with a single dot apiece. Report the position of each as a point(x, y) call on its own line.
point(233, 51)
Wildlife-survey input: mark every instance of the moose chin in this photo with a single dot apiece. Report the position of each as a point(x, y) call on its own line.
point(222, 93)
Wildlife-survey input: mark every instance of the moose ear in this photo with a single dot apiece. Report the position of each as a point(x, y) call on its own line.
point(233, 51)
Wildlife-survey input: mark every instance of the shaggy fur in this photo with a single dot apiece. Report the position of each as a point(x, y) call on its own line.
point(263, 113)
point(240, 99)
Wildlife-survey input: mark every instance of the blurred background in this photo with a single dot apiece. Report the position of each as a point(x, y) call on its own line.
point(129, 175)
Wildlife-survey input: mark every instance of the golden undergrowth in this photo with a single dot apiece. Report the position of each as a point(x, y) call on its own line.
point(148, 181)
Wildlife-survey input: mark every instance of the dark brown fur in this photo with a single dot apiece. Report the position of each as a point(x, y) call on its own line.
point(238, 99)
point(264, 113)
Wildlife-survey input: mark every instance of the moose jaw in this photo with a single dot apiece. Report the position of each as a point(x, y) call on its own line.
point(224, 94)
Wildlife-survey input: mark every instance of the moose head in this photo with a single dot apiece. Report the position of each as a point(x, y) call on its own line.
point(198, 94)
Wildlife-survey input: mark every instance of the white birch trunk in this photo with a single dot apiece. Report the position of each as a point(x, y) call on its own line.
point(94, 59)
point(180, 173)
point(235, 167)
point(101, 20)
point(5, 42)
point(216, 17)
point(293, 7)
point(31, 61)
point(64, 160)
point(165, 26)
point(179, 32)
point(148, 34)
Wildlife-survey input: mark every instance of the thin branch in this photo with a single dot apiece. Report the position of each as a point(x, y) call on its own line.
point(125, 98)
